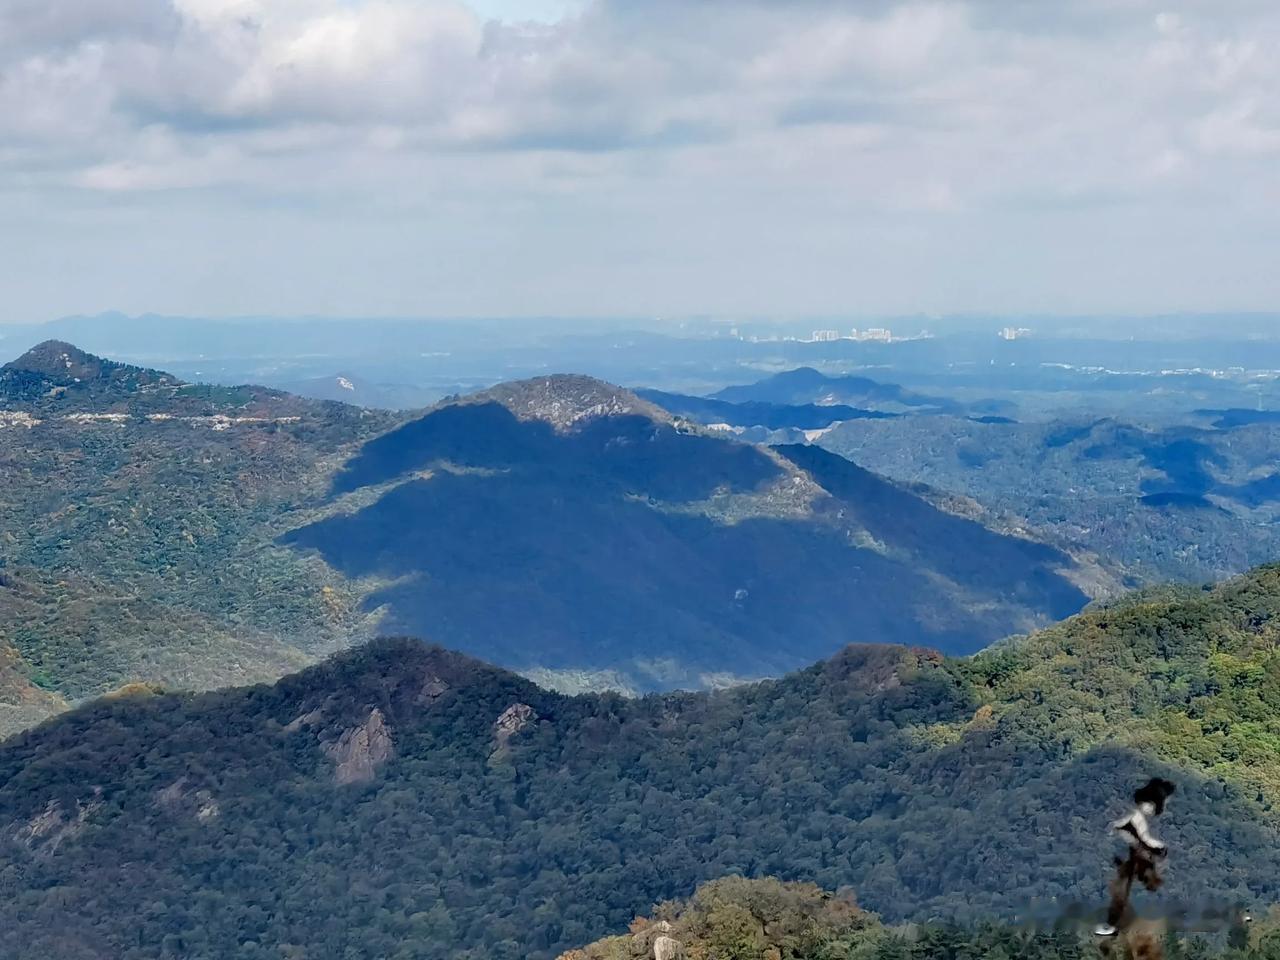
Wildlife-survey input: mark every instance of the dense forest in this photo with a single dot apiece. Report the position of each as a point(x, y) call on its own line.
point(140, 518)
point(402, 801)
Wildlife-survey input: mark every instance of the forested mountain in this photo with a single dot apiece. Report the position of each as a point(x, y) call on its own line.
point(400, 801)
point(196, 536)
point(139, 520)
point(1188, 502)
point(565, 524)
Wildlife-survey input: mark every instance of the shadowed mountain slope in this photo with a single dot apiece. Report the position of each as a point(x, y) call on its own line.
point(566, 524)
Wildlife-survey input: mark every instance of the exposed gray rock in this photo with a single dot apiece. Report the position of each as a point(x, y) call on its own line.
point(311, 718)
point(433, 688)
point(513, 719)
point(361, 751)
point(179, 798)
point(56, 824)
point(565, 399)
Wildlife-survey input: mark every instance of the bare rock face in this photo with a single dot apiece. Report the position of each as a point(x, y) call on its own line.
point(361, 751)
point(55, 825)
point(309, 719)
point(433, 688)
point(514, 719)
point(665, 948)
point(179, 799)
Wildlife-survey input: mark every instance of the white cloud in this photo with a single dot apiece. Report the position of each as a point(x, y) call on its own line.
point(955, 110)
point(444, 78)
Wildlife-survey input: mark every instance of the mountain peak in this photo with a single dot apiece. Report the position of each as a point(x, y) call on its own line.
point(64, 364)
point(59, 360)
point(565, 399)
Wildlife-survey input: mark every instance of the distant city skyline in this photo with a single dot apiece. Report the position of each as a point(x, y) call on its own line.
point(611, 158)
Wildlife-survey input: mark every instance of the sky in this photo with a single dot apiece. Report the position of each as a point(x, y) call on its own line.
point(638, 157)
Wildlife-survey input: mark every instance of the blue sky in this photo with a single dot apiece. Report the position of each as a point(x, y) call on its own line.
point(666, 157)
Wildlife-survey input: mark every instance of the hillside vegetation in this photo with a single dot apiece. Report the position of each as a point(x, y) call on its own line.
point(738, 919)
point(401, 801)
point(140, 514)
point(195, 536)
point(1191, 502)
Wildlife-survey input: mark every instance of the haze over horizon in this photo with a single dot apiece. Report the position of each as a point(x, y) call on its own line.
point(430, 158)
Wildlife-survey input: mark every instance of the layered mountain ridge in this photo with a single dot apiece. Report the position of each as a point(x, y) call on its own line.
point(190, 536)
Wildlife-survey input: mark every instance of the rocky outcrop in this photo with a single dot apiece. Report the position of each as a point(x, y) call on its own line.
point(511, 721)
point(665, 948)
point(181, 800)
point(564, 400)
point(359, 752)
point(514, 719)
point(56, 824)
point(309, 719)
point(433, 688)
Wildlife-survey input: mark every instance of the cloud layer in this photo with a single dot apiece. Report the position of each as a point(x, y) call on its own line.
point(717, 122)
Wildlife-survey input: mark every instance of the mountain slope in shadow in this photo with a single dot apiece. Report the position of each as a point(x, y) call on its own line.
point(593, 532)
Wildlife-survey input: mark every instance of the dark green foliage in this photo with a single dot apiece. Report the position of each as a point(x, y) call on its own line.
point(139, 519)
point(934, 788)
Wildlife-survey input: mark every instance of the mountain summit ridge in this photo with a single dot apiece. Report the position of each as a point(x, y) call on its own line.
point(55, 367)
point(566, 399)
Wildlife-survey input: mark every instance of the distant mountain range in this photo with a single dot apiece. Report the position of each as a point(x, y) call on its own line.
point(403, 800)
point(805, 385)
point(1190, 502)
point(757, 413)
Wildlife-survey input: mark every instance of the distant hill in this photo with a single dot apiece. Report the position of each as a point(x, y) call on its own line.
point(1184, 502)
point(403, 800)
point(565, 524)
point(771, 416)
point(140, 514)
point(46, 374)
point(58, 378)
point(806, 385)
